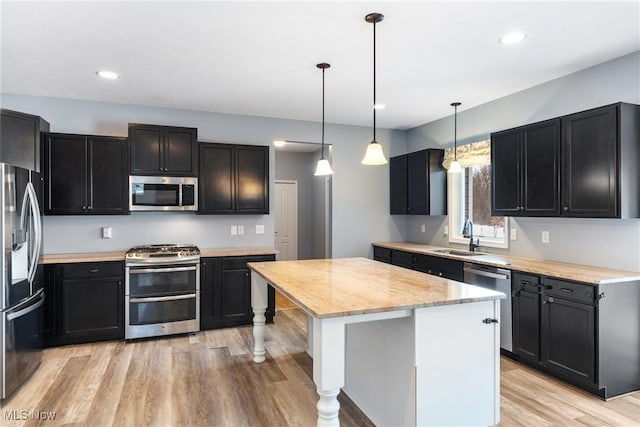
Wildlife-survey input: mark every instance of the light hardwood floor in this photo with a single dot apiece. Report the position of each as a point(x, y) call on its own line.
point(209, 379)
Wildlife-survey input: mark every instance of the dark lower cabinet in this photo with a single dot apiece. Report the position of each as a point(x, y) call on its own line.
point(225, 292)
point(85, 302)
point(585, 334)
point(437, 266)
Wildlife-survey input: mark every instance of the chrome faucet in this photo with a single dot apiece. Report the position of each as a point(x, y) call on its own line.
point(467, 231)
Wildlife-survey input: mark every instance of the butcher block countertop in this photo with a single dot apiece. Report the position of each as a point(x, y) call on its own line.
point(562, 270)
point(352, 286)
point(119, 255)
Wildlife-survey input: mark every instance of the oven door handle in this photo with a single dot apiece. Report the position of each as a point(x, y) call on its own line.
point(161, 270)
point(160, 299)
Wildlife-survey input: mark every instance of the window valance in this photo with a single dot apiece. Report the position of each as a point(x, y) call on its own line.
point(474, 154)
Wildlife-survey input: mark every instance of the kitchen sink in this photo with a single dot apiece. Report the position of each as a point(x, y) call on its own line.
point(456, 252)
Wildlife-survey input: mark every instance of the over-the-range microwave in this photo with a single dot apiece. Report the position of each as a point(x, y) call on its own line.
point(163, 193)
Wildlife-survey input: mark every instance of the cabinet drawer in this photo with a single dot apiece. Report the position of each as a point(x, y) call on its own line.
point(381, 254)
point(570, 290)
point(526, 282)
point(87, 270)
point(403, 259)
point(240, 263)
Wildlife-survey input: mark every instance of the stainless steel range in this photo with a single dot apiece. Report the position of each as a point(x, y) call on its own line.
point(162, 290)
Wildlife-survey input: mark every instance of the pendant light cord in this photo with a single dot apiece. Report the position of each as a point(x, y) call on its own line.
point(455, 133)
point(322, 157)
point(374, 81)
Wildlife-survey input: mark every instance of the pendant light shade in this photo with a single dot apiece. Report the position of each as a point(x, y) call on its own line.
point(323, 168)
point(455, 165)
point(374, 154)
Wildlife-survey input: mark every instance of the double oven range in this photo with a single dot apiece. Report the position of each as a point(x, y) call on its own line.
point(162, 290)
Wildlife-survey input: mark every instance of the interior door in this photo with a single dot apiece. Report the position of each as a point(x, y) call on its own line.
point(286, 238)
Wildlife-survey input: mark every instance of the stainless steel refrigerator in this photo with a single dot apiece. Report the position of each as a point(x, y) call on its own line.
point(22, 293)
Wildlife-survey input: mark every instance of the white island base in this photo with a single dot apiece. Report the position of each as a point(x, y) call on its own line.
point(428, 366)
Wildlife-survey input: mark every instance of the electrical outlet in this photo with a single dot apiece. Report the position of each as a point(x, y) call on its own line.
point(514, 234)
point(106, 232)
point(545, 237)
point(259, 229)
point(423, 228)
point(234, 230)
point(241, 229)
point(446, 230)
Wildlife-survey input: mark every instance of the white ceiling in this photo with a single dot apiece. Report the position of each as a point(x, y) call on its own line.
point(258, 58)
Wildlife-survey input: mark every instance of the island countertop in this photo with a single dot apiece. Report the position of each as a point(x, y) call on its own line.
point(351, 286)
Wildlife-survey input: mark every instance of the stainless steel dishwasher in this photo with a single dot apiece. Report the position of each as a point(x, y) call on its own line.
point(496, 279)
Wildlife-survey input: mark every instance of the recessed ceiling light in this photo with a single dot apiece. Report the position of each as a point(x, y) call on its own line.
point(105, 74)
point(279, 142)
point(513, 37)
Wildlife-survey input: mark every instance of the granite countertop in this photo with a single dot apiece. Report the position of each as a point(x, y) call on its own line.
point(351, 286)
point(119, 255)
point(562, 270)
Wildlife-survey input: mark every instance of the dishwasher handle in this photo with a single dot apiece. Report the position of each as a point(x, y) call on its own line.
point(484, 273)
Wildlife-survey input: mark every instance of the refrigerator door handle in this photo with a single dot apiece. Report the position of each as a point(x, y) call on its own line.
point(11, 315)
point(37, 230)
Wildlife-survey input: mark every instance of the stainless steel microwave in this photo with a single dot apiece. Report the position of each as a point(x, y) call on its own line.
point(163, 193)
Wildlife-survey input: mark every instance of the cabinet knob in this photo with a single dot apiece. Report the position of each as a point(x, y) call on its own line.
point(489, 320)
point(566, 208)
point(94, 270)
point(84, 208)
point(440, 274)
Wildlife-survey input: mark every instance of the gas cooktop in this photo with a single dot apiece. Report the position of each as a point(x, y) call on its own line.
point(162, 253)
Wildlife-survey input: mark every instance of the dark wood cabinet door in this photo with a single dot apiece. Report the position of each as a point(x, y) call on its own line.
point(146, 150)
point(398, 188)
point(210, 300)
point(418, 183)
point(235, 293)
point(526, 325)
point(506, 181)
point(92, 309)
point(181, 152)
point(252, 179)
point(216, 184)
point(589, 164)
point(66, 162)
point(568, 339)
point(20, 139)
point(107, 176)
point(541, 169)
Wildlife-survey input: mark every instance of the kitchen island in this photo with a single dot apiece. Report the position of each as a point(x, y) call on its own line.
point(408, 348)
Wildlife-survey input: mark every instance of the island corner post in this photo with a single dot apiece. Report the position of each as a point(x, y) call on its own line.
point(428, 365)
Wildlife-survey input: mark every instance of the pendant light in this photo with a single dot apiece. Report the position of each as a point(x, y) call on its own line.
point(455, 165)
point(323, 168)
point(374, 154)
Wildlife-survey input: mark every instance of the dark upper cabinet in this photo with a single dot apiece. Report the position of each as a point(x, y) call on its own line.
point(163, 150)
point(578, 165)
point(525, 170)
point(417, 183)
point(85, 175)
point(234, 179)
point(20, 139)
point(225, 292)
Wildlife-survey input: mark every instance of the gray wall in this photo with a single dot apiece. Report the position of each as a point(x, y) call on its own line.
point(360, 192)
point(299, 167)
point(602, 242)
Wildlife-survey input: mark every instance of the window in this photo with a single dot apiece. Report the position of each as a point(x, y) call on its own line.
point(470, 198)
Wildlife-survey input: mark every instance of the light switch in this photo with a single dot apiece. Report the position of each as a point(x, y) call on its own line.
point(446, 230)
point(259, 229)
point(514, 234)
point(241, 229)
point(423, 228)
point(234, 230)
point(106, 232)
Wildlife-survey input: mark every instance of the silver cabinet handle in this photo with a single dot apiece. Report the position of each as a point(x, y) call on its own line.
point(161, 299)
point(161, 270)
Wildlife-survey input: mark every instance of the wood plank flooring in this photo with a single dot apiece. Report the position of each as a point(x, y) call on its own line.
point(210, 380)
